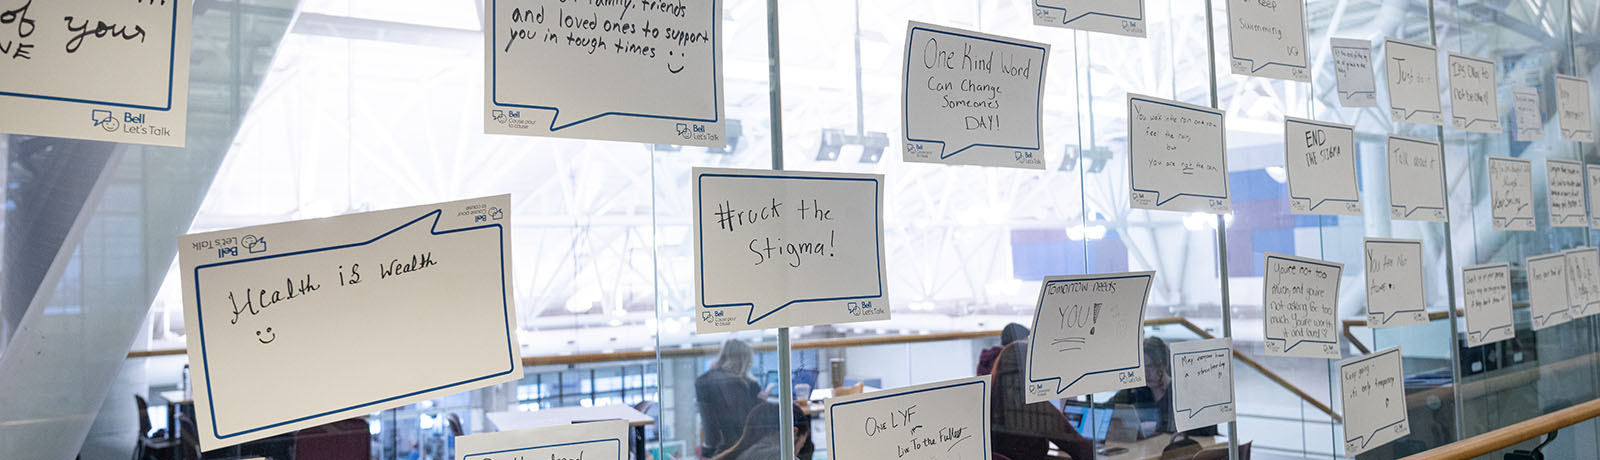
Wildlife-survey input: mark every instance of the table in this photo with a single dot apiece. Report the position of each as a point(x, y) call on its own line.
point(816, 404)
point(176, 399)
point(510, 421)
point(1150, 448)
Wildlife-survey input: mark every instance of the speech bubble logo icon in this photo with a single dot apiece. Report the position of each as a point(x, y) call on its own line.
point(972, 98)
point(787, 249)
point(607, 64)
point(1087, 335)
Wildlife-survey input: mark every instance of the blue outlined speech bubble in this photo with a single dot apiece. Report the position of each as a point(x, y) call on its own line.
point(935, 421)
point(1549, 303)
point(1416, 180)
point(972, 98)
point(1373, 390)
point(330, 296)
point(1202, 383)
point(593, 440)
point(1177, 156)
point(780, 249)
point(1321, 162)
point(1087, 335)
point(1487, 290)
point(1394, 278)
point(1583, 280)
point(1412, 72)
point(1120, 17)
point(629, 71)
point(1268, 39)
point(1301, 306)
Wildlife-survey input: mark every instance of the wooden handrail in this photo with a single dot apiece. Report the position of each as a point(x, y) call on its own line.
point(841, 342)
point(1504, 437)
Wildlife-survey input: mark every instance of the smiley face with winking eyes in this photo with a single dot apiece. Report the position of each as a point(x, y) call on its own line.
point(268, 337)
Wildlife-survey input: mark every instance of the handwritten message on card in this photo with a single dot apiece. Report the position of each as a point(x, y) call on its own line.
point(1511, 193)
point(1352, 69)
point(1413, 76)
point(606, 440)
point(269, 305)
point(972, 98)
point(1394, 283)
point(642, 71)
point(1321, 161)
point(1565, 193)
point(1301, 307)
point(1120, 17)
point(1474, 106)
point(103, 70)
point(1572, 103)
point(779, 249)
point(1373, 390)
point(1416, 180)
point(1583, 280)
point(937, 421)
point(1547, 290)
point(1088, 334)
point(1591, 179)
point(1529, 117)
point(1177, 154)
point(1488, 293)
point(1202, 383)
point(1268, 39)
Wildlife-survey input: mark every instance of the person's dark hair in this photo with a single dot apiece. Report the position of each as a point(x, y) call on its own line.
point(1013, 332)
point(760, 426)
point(1157, 354)
point(736, 358)
point(802, 424)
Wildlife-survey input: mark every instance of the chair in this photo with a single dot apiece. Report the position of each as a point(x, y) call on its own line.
point(188, 438)
point(159, 445)
point(1221, 453)
point(347, 439)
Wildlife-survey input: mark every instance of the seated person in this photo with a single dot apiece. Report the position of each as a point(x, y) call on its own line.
point(1154, 400)
point(1012, 332)
point(725, 393)
point(760, 438)
point(1026, 431)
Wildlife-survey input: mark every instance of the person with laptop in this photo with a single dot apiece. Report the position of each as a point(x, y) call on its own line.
point(1152, 403)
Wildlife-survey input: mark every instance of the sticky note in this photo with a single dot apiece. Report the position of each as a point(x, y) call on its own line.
point(293, 325)
point(1416, 180)
point(1120, 17)
point(1268, 39)
point(1352, 70)
point(1511, 193)
point(1488, 294)
point(972, 98)
point(1202, 383)
point(1547, 290)
point(1177, 156)
point(937, 421)
point(1529, 117)
point(1572, 103)
point(1474, 106)
point(780, 249)
point(1088, 333)
point(1412, 71)
point(1395, 294)
point(115, 71)
point(1301, 306)
point(1564, 193)
point(1583, 280)
point(625, 71)
point(604, 440)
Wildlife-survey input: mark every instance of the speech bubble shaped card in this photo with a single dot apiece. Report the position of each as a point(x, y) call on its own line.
point(1268, 39)
point(938, 421)
point(1394, 283)
point(1416, 180)
point(1572, 101)
point(1474, 104)
point(1321, 161)
point(1511, 187)
point(1591, 180)
point(972, 98)
point(1352, 68)
point(1373, 390)
point(289, 322)
point(1412, 70)
point(1120, 17)
point(1547, 290)
point(1583, 280)
point(1177, 156)
point(1301, 306)
point(626, 71)
point(1202, 383)
point(113, 70)
point(1088, 334)
point(1487, 289)
point(781, 249)
point(1564, 193)
point(1528, 112)
point(606, 440)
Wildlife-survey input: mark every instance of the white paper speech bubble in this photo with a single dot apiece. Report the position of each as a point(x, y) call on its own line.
point(1268, 39)
point(1178, 156)
point(1373, 388)
point(1301, 306)
point(1412, 72)
point(642, 71)
point(290, 319)
point(1120, 17)
point(937, 421)
point(1202, 382)
point(1394, 283)
point(1088, 333)
point(1474, 104)
point(1511, 190)
point(1352, 65)
point(1572, 101)
point(972, 98)
point(1487, 289)
point(1416, 180)
point(601, 440)
point(1583, 280)
point(779, 249)
point(1321, 162)
point(1547, 290)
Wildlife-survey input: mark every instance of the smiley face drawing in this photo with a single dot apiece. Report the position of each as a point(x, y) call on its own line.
point(265, 339)
point(669, 64)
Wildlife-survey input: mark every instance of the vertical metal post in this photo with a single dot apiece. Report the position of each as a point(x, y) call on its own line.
point(1449, 247)
point(1222, 222)
point(785, 375)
